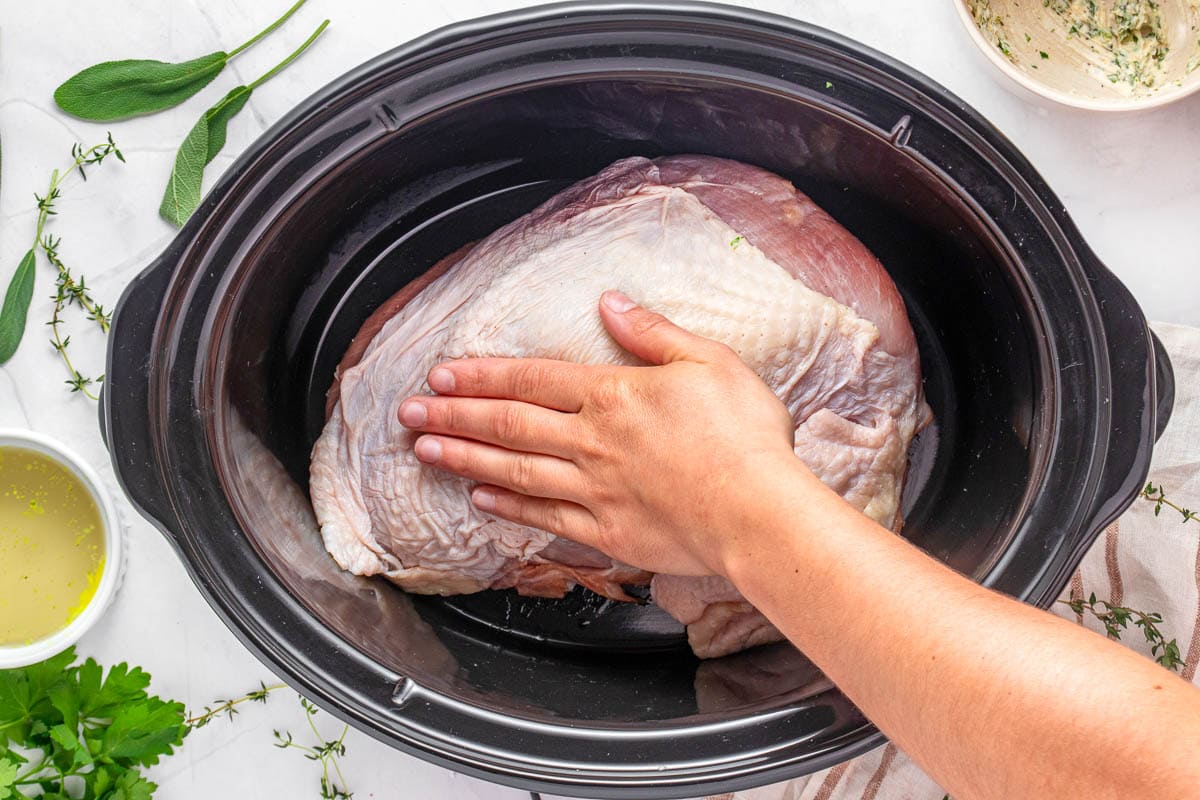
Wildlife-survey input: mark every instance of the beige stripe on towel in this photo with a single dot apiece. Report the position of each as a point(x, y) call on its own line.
point(831, 781)
point(1117, 589)
point(1077, 591)
point(1193, 653)
point(877, 777)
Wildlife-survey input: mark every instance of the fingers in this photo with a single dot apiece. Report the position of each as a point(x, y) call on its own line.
point(556, 516)
point(649, 336)
point(508, 423)
point(552, 384)
point(527, 473)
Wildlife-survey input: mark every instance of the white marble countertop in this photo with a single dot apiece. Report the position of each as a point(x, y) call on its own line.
point(1132, 184)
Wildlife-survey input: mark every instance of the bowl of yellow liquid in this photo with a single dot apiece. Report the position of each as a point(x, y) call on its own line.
point(61, 548)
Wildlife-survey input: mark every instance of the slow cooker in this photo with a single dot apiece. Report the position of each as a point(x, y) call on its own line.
point(1047, 386)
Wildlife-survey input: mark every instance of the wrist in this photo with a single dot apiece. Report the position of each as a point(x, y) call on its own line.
point(777, 517)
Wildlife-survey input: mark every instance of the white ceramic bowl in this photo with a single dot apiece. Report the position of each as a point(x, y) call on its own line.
point(114, 551)
point(1033, 44)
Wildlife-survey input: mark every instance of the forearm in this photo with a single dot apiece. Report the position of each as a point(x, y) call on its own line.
point(945, 668)
point(687, 468)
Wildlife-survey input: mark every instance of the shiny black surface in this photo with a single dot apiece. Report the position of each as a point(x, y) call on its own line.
point(1038, 365)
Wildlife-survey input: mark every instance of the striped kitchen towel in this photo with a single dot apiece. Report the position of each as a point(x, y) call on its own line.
point(1146, 562)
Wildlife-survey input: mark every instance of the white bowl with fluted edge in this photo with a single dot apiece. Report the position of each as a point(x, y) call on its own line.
point(1041, 54)
point(12, 656)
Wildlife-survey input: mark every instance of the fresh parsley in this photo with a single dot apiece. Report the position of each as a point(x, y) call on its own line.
point(72, 730)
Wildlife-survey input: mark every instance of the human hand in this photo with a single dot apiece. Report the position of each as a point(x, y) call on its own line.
point(662, 467)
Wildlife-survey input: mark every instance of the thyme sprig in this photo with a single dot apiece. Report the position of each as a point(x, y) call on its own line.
point(1116, 619)
point(1158, 496)
point(69, 289)
point(326, 751)
point(228, 708)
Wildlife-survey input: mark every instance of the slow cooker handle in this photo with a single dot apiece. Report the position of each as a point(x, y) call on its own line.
point(126, 419)
point(1143, 390)
point(1164, 380)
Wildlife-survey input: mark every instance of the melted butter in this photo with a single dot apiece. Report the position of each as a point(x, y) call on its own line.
point(51, 546)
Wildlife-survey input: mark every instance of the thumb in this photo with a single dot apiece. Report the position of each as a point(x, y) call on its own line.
point(649, 336)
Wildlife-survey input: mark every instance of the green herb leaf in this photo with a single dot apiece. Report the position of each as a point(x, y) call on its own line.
point(325, 751)
point(132, 786)
point(98, 782)
point(122, 89)
point(16, 307)
point(122, 685)
point(68, 744)
point(206, 138)
point(218, 119)
point(1158, 496)
point(1116, 618)
point(24, 698)
point(64, 697)
point(182, 195)
point(140, 733)
point(8, 775)
point(71, 732)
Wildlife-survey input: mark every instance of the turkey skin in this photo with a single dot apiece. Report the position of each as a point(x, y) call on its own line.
point(725, 250)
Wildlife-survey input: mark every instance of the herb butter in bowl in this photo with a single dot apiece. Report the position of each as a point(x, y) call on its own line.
point(1104, 55)
point(61, 548)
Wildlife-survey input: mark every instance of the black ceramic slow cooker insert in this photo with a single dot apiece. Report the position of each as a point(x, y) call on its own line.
point(1044, 379)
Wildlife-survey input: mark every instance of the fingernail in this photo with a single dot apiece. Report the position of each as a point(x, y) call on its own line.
point(441, 380)
point(484, 499)
point(428, 450)
point(413, 414)
point(618, 302)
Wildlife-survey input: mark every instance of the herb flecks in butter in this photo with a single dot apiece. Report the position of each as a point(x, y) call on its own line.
point(1128, 35)
point(992, 26)
point(1129, 47)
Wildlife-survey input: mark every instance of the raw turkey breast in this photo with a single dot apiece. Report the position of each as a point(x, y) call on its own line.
point(723, 249)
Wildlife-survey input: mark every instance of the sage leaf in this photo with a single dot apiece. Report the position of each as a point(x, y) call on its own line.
point(182, 194)
point(219, 117)
point(16, 307)
point(206, 138)
point(203, 142)
point(121, 89)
